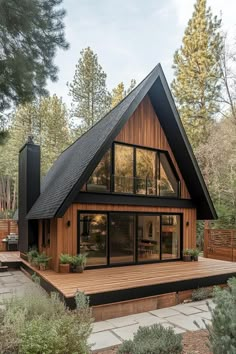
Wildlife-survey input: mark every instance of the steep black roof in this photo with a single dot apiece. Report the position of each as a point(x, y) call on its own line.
point(74, 166)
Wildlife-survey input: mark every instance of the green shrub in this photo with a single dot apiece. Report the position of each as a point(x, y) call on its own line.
point(187, 252)
point(222, 333)
point(201, 294)
point(40, 324)
point(153, 340)
point(65, 258)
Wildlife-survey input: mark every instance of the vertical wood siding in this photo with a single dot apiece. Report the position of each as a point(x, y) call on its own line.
point(143, 128)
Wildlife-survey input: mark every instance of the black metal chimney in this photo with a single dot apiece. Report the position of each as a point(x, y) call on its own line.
point(28, 192)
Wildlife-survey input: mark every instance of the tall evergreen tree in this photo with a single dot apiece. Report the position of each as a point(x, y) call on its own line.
point(47, 121)
point(119, 92)
point(30, 33)
point(91, 99)
point(196, 85)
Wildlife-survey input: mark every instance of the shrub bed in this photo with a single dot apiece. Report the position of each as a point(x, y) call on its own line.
point(222, 333)
point(40, 324)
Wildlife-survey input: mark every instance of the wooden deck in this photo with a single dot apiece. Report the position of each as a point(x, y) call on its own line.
point(116, 284)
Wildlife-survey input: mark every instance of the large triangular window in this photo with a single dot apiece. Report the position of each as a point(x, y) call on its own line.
point(135, 170)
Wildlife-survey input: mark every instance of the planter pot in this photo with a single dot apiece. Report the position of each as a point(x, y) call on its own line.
point(195, 258)
point(42, 266)
point(79, 269)
point(64, 268)
point(187, 258)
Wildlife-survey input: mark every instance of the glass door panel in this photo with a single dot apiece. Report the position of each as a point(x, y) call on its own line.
point(170, 237)
point(93, 238)
point(122, 238)
point(148, 238)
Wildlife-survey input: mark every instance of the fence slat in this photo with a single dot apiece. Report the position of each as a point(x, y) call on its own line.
point(220, 244)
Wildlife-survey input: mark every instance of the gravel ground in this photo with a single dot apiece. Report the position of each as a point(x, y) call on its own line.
point(193, 343)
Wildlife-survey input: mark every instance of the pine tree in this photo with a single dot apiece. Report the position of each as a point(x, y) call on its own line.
point(119, 92)
point(47, 121)
point(197, 73)
point(30, 33)
point(91, 99)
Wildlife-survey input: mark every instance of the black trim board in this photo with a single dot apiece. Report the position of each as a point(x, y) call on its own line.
point(157, 289)
point(121, 199)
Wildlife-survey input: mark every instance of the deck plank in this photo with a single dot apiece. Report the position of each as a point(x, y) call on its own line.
point(102, 280)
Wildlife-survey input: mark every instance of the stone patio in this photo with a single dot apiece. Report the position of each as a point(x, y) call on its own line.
point(181, 318)
point(13, 282)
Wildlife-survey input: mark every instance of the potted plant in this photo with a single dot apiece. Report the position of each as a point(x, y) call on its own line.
point(65, 261)
point(187, 255)
point(34, 262)
point(78, 262)
point(42, 260)
point(195, 253)
point(33, 253)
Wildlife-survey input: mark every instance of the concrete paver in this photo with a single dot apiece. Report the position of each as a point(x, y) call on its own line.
point(122, 321)
point(166, 312)
point(186, 310)
point(104, 339)
point(126, 333)
point(183, 321)
point(101, 326)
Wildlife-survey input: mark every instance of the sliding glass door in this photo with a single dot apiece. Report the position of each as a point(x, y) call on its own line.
point(148, 238)
point(93, 238)
point(170, 237)
point(110, 238)
point(122, 238)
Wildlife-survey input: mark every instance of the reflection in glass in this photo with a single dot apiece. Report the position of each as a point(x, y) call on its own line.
point(122, 230)
point(145, 171)
point(124, 171)
point(93, 236)
point(100, 178)
point(170, 236)
point(168, 181)
point(148, 237)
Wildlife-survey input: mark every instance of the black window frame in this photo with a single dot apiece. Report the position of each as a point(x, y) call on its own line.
point(157, 172)
point(135, 214)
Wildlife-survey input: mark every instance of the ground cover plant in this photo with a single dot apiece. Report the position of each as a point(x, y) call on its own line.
point(222, 333)
point(40, 324)
point(153, 340)
point(201, 294)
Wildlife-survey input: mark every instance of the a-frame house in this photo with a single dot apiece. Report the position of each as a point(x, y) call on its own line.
point(128, 191)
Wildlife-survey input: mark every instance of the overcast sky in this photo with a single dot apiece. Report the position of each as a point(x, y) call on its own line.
point(129, 36)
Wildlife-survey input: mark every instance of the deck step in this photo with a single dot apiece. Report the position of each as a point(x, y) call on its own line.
point(3, 268)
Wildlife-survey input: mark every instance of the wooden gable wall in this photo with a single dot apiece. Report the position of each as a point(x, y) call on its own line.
point(144, 129)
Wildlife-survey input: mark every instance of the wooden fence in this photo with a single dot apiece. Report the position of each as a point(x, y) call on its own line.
point(7, 226)
point(220, 244)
